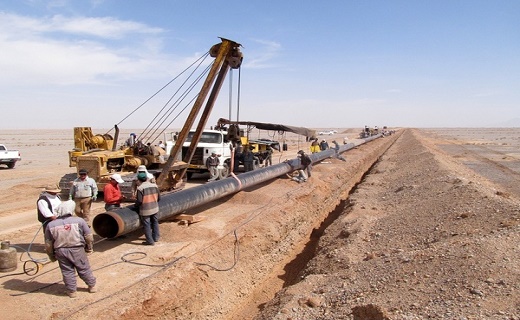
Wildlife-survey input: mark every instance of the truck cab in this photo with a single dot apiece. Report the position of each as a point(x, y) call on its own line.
point(210, 141)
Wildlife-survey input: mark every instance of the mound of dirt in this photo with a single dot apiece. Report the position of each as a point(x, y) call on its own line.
point(422, 238)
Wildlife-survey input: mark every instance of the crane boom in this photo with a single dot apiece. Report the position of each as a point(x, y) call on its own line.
point(227, 55)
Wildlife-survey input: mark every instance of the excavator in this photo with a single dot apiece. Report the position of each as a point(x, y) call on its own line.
point(100, 156)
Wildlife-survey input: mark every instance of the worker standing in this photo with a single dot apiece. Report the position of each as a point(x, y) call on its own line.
point(68, 239)
point(135, 183)
point(47, 203)
point(269, 156)
point(315, 146)
point(112, 192)
point(84, 190)
point(249, 158)
point(147, 203)
point(212, 163)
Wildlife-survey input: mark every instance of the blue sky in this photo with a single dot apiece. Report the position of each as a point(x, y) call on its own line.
point(319, 64)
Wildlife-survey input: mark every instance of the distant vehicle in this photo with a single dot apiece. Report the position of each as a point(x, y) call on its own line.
point(9, 157)
point(329, 132)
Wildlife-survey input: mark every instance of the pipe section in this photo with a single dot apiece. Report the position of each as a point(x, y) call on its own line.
point(124, 220)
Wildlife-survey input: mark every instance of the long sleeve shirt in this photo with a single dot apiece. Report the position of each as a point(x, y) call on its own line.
point(43, 206)
point(148, 196)
point(112, 194)
point(84, 188)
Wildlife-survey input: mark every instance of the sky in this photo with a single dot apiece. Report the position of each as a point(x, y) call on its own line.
point(316, 64)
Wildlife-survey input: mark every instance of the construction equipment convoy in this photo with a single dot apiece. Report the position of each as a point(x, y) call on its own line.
point(227, 140)
point(187, 150)
point(100, 155)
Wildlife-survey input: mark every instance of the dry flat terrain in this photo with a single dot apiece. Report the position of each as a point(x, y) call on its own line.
point(424, 224)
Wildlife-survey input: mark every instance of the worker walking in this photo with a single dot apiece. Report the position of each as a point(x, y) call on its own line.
point(212, 163)
point(84, 190)
point(112, 193)
point(68, 239)
point(147, 203)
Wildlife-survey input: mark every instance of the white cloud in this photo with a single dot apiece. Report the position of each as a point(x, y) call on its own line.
point(262, 56)
point(106, 27)
point(61, 50)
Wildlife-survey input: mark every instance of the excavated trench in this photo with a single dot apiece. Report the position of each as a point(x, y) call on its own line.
point(294, 268)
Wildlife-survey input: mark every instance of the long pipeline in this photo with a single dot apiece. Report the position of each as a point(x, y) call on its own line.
point(115, 223)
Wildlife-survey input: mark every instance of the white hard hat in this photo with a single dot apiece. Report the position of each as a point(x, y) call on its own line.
point(117, 177)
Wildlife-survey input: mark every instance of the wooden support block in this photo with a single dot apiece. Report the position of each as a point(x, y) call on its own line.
point(188, 219)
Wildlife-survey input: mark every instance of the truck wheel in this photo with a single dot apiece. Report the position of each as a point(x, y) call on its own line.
point(223, 173)
point(11, 165)
point(65, 184)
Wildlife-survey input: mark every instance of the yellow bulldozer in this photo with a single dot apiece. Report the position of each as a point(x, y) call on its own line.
point(99, 155)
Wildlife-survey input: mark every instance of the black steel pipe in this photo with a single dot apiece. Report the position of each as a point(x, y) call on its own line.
point(124, 220)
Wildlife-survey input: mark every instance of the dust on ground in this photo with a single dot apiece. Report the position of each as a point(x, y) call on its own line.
point(427, 233)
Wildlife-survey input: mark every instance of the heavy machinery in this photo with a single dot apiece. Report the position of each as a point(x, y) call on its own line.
point(228, 141)
point(100, 155)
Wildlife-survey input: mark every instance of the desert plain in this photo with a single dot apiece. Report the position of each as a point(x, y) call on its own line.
point(422, 224)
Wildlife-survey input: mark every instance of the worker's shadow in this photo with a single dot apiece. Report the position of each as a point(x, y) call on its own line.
point(23, 287)
point(34, 264)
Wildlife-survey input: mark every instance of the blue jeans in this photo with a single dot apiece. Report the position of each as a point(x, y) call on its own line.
point(151, 228)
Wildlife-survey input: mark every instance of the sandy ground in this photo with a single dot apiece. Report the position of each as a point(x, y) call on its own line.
point(431, 231)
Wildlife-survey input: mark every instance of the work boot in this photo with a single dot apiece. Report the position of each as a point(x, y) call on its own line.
point(72, 294)
point(92, 289)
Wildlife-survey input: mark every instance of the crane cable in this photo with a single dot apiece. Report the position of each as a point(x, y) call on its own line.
point(238, 93)
point(202, 58)
point(147, 133)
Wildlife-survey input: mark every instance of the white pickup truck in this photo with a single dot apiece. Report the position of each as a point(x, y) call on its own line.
point(210, 141)
point(9, 157)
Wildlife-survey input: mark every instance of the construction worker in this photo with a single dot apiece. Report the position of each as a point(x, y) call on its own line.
point(47, 204)
point(84, 190)
point(336, 149)
point(315, 146)
point(112, 192)
point(212, 163)
point(147, 203)
point(135, 183)
point(68, 239)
